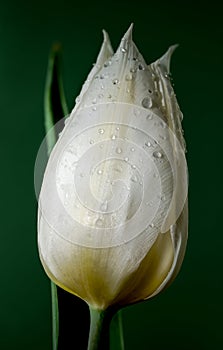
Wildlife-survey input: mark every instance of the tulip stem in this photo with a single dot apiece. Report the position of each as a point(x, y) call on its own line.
point(99, 329)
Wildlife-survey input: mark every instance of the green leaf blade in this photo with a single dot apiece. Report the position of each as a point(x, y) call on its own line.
point(55, 108)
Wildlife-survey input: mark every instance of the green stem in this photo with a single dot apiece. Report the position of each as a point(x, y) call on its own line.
point(99, 329)
point(55, 316)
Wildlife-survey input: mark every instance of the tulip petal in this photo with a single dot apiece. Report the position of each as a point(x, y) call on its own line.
point(179, 233)
point(105, 53)
point(173, 117)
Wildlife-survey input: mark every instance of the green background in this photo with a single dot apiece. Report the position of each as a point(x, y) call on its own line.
point(188, 314)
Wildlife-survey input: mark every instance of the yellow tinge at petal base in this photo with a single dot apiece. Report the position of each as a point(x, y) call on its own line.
point(112, 223)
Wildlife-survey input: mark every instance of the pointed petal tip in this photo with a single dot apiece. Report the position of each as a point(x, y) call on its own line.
point(172, 48)
point(166, 58)
point(128, 34)
point(105, 35)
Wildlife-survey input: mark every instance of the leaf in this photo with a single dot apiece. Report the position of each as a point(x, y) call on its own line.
point(55, 108)
point(116, 332)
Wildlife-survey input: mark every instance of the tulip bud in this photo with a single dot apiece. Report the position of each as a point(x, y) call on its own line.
point(112, 223)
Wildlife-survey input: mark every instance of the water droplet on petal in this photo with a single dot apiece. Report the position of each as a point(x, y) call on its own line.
point(151, 225)
point(149, 117)
point(141, 67)
point(99, 222)
point(126, 159)
point(108, 63)
point(99, 172)
point(101, 131)
point(104, 206)
point(128, 77)
point(77, 100)
point(115, 81)
point(147, 102)
point(157, 154)
point(122, 49)
point(148, 144)
point(118, 150)
point(113, 137)
point(133, 149)
point(134, 178)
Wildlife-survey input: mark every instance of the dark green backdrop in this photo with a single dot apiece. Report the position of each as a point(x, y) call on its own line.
point(188, 314)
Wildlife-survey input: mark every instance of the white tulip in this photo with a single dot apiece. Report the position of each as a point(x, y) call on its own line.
point(112, 224)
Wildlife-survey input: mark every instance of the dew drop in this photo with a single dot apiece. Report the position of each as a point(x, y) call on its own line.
point(118, 128)
point(77, 100)
point(94, 100)
point(141, 67)
point(101, 131)
point(123, 50)
point(151, 225)
point(134, 178)
point(104, 206)
point(128, 77)
point(132, 70)
point(113, 137)
point(126, 159)
point(133, 149)
point(157, 154)
point(91, 141)
point(118, 150)
point(149, 117)
point(99, 222)
point(148, 144)
point(147, 102)
point(108, 63)
point(100, 172)
point(133, 166)
point(115, 81)
point(94, 108)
